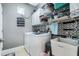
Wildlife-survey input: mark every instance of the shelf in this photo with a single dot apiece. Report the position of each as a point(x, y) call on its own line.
point(60, 19)
point(65, 19)
point(72, 21)
point(68, 29)
point(74, 16)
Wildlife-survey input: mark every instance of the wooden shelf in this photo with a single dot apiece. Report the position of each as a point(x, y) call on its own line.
point(60, 19)
point(72, 21)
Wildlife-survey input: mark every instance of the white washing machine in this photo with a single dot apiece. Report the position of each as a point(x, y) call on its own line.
point(35, 44)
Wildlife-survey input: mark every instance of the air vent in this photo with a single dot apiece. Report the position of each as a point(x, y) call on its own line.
point(20, 22)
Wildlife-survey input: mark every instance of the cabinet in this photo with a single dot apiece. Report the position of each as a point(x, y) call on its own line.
point(64, 47)
point(74, 6)
point(57, 48)
point(74, 9)
point(70, 50)
point(36, 18)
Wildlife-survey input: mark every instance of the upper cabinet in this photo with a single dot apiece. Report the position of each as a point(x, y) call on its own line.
point(58, 5)
point(42, 14)
point(61, 9)
point(36, 17)
point(74, 9)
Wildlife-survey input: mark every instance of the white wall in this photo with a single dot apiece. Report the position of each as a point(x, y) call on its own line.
point(13, 35)
point(0, 21)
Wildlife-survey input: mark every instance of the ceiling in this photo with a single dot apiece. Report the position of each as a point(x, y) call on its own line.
point(34, 4)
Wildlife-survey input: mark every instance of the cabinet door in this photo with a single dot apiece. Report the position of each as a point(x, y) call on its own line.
point(74, 9)
point(60, 49)
point(57, 48)
point(74, 6)
point(35, 18)
point(70, 50)
point(63, 49)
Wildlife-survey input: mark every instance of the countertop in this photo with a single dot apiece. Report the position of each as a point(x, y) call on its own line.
point(34, 34)
point(43, 34)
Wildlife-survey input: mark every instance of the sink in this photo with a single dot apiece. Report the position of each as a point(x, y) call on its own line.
point(36, 33)
point(67, 40)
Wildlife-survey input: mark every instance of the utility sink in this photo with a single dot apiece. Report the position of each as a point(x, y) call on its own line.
point(67, 40)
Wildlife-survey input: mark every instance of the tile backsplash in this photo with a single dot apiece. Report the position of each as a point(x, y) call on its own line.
point(69, 28)
point(41, 28)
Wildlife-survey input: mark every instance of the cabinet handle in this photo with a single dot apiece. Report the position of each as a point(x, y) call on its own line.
point(60, 46)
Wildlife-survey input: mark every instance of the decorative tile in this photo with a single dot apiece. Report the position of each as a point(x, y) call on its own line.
point(62, 26)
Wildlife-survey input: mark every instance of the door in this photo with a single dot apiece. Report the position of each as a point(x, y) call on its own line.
point(1, 35)
point(0, 21)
